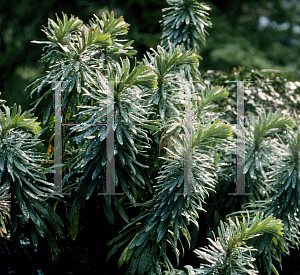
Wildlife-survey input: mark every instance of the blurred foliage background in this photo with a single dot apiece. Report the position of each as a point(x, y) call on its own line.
point(255, 34)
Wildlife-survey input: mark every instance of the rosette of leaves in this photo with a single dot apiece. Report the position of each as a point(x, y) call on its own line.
point(114, 27)
point(230, 253)
point(280, 181)
point(184, 22)
point(202, 100)
point(76, 54)
point(22, 174)
point(131, 138)
point(262, 148)
point(283, 203)
point(267, 247)
point(167, 66)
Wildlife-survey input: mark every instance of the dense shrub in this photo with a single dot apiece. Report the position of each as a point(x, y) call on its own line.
point(150, 150)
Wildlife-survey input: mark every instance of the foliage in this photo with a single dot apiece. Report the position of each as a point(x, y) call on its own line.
point(184, 23)
point(237, 38)
point(74, 50)
point(150, 150)
point(166, 66)
point(4, 211)
point(22, 174)
point(172, 212)
point(229, 253)
point(257, 181)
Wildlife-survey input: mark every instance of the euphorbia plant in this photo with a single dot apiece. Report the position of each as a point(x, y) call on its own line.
point(22, 175)
point(150, 147)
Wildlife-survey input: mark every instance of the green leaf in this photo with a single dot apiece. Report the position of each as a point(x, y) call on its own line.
point(119, 134)
point(34, 237)
point(134, 265)
point(123, 256)
point(162, 229)
point(115, 247)
point(144, 260)
point(14, 112)
point(108, 211)
point(121, 156)
point(123, 112)
point(128, 136)
point(120, 209)
point(21, 200)
point(97, 171)
point(2, 160)
point(150, 127)
point(275, 270)
point(74, 226)
point(49, 214)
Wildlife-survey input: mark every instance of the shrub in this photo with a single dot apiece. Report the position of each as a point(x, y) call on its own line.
point(150, 148)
